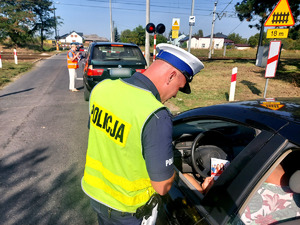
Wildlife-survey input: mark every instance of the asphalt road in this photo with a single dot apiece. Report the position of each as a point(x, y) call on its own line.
point(43, 142)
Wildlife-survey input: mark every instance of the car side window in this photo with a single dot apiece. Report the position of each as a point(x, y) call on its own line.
point(214, 144)
point(275, 200)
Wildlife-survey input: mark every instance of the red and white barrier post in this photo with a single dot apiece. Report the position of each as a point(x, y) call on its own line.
point(15, 56)
point(233, 84)
point(154, 48)
point(273, 58)
point(0, 61)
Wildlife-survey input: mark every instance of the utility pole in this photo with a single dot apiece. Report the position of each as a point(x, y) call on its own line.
point(212, 31)
point(111, 23)
point(190, 34)
point(147, 41)
point(56, 41)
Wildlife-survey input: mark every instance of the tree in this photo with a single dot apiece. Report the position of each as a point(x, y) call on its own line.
point(253, 40)
point(16, 18)
point(21, 19)
point(294, 32)
point(159, 39)
point(250, 9)
point(117, 36)
point(44, 21)
point(199, 33)
point(140, 35)
point(237, 39)
point(126, 36)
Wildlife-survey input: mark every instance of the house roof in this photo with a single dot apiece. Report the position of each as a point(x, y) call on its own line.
point(184, 39)
point(217, 35)
point(66, 35)
point(94, 37)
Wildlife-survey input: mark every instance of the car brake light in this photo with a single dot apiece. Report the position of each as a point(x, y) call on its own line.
point(94, 72)
point(114, 45)
point(140, 70)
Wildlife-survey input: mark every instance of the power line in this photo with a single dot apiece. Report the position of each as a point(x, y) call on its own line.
point(236, 27)
point(137, 4)
point(116, 8)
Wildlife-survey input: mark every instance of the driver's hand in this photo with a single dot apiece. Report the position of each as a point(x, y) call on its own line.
point(207, 184)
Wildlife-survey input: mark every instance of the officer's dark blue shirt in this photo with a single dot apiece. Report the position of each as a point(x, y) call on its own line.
point(157, 135)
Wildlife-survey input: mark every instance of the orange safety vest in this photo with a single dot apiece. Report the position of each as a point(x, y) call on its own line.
point(72, 64)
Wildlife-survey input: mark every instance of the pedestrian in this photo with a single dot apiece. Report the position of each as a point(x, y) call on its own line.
point(72, 57)
point(130, 153)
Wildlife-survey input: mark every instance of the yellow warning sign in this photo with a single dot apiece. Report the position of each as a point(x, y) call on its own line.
point(277, 33)
point(272, 105)
point(175, 34)
point(175, 24)
point(281, 15)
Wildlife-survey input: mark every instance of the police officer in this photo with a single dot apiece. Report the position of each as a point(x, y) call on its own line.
point(129, 155)
point(72, 66)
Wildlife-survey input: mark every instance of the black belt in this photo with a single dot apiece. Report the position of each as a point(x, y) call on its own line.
point(112, 212)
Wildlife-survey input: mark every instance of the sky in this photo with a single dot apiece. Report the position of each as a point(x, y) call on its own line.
point(93, 16)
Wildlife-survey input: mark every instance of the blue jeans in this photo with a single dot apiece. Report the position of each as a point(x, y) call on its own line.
point(108, 216)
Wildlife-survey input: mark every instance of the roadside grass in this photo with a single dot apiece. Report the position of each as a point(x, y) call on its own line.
point(212, 85)
point(10, 70)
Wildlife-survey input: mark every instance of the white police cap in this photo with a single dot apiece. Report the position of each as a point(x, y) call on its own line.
point(182, 60)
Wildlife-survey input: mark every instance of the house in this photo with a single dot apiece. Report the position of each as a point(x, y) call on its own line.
point(218, 41)
point(94, 37)
point(71, 37)
point(204, 43)
point(242, 46)
point(228, 42)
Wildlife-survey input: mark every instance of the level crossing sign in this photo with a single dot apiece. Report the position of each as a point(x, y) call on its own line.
point(273, 58)
point(281, 15)
point(175, 24)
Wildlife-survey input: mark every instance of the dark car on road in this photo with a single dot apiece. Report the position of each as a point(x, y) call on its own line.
point(105, 60)
point(253, 137)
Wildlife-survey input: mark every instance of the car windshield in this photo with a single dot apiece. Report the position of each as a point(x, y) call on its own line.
point(116, 53)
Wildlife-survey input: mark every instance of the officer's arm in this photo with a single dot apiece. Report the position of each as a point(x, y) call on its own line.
point(162, 187)
point(158, 151)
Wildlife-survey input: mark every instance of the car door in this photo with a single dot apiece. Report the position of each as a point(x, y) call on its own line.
point(184, 205)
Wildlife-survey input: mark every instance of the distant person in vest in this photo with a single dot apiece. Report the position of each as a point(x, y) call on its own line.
point(130, 155)
point(72, 66)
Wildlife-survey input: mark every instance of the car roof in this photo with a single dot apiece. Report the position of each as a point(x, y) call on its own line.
point(114, 43)
point(280, 115)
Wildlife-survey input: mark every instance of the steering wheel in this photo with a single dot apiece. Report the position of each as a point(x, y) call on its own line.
point(202, 154)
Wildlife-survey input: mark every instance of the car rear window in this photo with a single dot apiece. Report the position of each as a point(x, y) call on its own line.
point(117, 52)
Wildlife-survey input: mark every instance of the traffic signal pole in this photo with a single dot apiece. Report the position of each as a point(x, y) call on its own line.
point(154, 48)
point(147, 42)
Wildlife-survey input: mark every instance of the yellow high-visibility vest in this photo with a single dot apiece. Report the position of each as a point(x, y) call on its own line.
point(115, 171)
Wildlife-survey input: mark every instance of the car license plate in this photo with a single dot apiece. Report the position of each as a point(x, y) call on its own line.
point(120, 72)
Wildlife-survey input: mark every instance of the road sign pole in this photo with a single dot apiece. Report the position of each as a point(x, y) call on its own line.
point(190, 33)
point(266, 86)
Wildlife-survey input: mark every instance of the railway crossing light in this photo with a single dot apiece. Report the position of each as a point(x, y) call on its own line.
point(160, 28)
point(150, 28)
